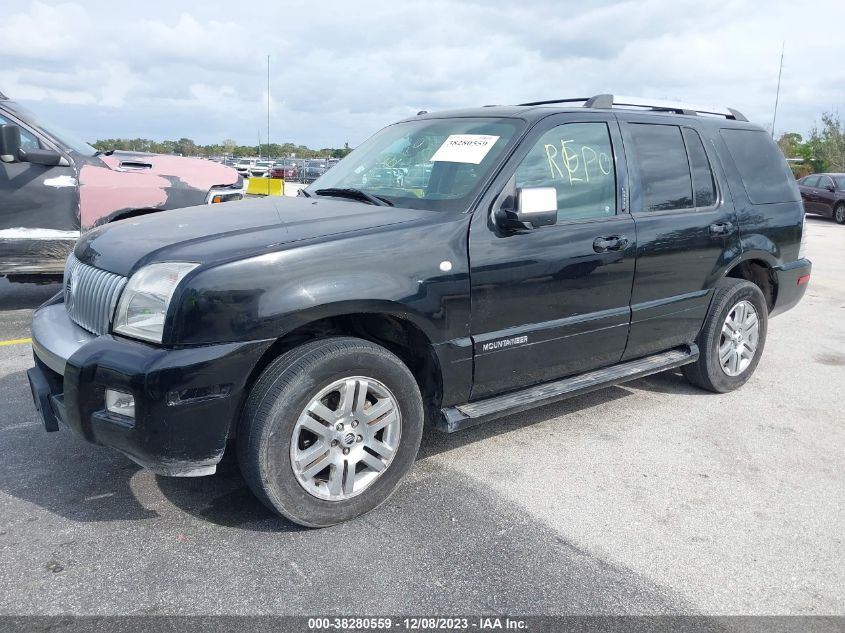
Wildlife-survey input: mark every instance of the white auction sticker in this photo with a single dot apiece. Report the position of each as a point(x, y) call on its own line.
point(464, 148)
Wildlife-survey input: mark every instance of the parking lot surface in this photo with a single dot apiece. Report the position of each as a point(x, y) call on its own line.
point(652, 497)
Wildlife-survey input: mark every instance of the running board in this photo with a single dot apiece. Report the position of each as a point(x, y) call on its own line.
point(466, 415)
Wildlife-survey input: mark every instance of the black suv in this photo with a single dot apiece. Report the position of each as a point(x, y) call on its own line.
point(539, 252)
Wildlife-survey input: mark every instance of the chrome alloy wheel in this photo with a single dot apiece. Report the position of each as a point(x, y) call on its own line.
point(345, 438)
point(739, 339)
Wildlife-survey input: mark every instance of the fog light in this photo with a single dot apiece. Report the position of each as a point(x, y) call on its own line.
point(120, 403)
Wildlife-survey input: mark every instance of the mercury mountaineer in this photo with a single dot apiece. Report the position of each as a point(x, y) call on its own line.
point(455, 268)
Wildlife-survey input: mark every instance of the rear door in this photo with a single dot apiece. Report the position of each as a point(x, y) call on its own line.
point(686, 232)
point(825, 195)
point(553, 301)
point(807, 187)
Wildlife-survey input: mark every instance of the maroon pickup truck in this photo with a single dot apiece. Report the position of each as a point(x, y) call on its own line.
point(53, 187)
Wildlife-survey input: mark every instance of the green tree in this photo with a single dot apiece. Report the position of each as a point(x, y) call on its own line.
point(829, 143)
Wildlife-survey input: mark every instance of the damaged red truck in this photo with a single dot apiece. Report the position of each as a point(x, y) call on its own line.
point(53, 186)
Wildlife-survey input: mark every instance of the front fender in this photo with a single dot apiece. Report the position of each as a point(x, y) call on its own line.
point(422, 279)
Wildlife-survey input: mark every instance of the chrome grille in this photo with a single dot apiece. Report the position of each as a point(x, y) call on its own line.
point(91, 295)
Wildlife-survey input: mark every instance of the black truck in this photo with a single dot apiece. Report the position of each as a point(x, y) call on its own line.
point(54, 186)
point(512, 256)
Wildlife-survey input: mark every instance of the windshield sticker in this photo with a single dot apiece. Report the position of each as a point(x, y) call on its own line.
point(464, 148)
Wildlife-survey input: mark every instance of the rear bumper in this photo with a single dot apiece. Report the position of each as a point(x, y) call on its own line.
point(186, 400)
point(792, 280)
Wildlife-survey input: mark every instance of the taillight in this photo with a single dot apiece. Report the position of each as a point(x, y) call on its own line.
point(802, 248)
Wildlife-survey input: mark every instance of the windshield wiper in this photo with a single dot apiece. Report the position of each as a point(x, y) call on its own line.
point(355, 194)
point(101, 152)
point(302, 192)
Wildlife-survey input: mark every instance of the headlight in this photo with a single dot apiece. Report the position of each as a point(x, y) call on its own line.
point(144, 302)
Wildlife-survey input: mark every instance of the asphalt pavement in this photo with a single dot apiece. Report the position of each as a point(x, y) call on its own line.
point(649, 498)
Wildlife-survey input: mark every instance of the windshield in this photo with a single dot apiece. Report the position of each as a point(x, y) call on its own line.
point(840, 182)
point(425, 164)
point(68, 139)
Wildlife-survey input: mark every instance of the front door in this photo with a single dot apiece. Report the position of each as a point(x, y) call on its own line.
point(39, 223)
point(687, 233)
point(554, 301)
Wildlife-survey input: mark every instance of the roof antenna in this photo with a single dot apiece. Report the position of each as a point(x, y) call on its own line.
point(777, 94)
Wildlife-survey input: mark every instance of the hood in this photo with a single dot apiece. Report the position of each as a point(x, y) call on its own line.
point(211, 234)
point(125, 182)
point(194, 172)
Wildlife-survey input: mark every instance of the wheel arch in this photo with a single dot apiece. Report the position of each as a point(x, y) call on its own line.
point(758, 268)
point(130, 213)
point(393, 330)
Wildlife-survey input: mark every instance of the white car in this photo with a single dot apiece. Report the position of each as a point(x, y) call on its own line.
point(245, 165)
point(261, 169)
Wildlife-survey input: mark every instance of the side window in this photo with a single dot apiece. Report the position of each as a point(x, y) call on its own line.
point(577, 160)
point(810, 181)
point(28, 141)
point(762, 168)
point(704, 187)
point(661, 158)
point(824, 181)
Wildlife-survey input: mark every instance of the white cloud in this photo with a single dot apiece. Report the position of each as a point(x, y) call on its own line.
point(341, 70)
point(46, 32)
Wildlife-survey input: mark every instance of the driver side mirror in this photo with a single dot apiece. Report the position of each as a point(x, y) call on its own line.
point(830, 187)
point(10, 143)
point(11, 150)
point(535, 207)
point(47, 157)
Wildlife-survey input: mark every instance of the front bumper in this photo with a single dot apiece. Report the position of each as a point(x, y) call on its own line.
point(187, 401)
point(792, 279)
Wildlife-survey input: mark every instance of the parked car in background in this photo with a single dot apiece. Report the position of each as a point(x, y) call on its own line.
point(287, 169)
point(824, 194)
point(245, 165)
point(261, 169)
point(53, 186)
point(322, 331)
point(314, 168)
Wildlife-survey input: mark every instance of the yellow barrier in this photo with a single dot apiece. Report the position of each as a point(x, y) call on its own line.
point(265, 187)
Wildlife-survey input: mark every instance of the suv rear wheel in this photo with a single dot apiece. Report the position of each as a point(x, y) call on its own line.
point(732, 339)
point(329, 430)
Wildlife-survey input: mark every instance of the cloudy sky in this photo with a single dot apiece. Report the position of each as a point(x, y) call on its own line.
point(342, 69)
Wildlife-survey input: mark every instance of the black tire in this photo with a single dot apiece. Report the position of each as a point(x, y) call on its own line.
point(281, 394)
point(707, 371)
point(839, 213)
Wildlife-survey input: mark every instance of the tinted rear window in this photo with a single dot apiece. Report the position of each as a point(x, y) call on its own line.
point(761, 166)
point(664, 171)
point(702, 175)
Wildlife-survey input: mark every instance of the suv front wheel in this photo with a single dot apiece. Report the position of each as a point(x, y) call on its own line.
point(329, 430)
point(732, 338)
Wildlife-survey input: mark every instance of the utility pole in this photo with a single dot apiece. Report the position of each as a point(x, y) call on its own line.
point(268, 107)
point(777, 94)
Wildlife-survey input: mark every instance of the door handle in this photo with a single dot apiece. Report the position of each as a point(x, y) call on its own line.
point(721, 228)
point(611, 243)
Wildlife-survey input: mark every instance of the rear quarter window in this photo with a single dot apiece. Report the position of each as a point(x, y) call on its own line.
point(762, 168)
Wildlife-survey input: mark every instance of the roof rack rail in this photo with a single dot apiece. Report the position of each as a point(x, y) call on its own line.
point(606, 101)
